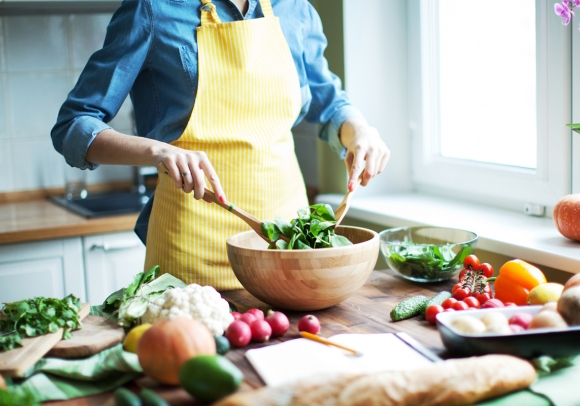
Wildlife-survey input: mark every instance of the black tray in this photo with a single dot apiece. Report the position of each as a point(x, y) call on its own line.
point(526, 344)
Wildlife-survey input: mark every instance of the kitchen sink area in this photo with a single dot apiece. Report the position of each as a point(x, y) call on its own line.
point(105, 204)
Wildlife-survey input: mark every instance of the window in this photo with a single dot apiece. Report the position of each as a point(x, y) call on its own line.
point(490, 100)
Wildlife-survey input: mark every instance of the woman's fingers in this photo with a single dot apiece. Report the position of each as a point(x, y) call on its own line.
point(366, 152)
point(189, 169)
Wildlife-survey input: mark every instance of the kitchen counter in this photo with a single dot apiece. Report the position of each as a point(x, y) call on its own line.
point(367, 311)
point(39, 219)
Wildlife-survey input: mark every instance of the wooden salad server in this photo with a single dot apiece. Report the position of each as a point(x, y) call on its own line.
point(340, 212)
point(254, 222)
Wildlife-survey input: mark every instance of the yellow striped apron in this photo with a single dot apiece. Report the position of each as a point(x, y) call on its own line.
point(248, 98)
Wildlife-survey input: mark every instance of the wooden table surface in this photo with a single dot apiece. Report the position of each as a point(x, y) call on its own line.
point(367, 311)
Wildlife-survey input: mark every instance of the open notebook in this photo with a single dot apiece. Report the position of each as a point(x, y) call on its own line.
point(301, 357)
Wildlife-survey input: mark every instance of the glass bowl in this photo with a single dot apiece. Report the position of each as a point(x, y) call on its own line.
point(426, 254)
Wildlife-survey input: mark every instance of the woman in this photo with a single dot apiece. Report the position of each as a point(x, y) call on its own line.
point(216, 88)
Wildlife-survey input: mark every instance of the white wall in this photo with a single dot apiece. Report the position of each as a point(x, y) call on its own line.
point(40, 60)
point(376, 80)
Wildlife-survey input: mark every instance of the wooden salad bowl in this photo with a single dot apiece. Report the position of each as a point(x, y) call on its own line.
point(304, 279)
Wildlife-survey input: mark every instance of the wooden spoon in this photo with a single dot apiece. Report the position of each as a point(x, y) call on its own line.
point(254, 222)
point(340, 212)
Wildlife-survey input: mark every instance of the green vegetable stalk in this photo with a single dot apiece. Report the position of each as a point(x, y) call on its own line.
point(314, 228)
point(127, 305)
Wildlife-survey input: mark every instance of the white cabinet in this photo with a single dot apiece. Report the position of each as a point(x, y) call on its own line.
point(52, 268)
point(90, 267)
point(111, 261)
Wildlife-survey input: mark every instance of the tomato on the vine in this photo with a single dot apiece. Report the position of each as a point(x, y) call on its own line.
point(431, 313)
point(483, 297)
point(487, 269)
point(471, 261)
point(460, 293)
point(472, 302)
point(447, 303)
point(460, 306)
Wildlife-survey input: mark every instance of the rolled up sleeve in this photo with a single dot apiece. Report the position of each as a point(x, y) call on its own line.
point(330, 105)
point(104, 83)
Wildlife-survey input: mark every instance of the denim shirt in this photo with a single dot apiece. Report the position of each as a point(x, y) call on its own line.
point(150, 53)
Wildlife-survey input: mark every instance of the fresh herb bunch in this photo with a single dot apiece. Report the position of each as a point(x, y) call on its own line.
point(426, 261)
point(314, 228)
point(38, 316)
point(128, 304)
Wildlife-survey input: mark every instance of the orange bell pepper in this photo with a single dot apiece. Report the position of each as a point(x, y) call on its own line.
point(515, 280)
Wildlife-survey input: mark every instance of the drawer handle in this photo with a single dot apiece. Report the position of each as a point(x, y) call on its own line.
point(120, 245)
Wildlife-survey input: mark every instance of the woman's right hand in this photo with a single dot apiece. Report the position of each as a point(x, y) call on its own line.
point(189, 170)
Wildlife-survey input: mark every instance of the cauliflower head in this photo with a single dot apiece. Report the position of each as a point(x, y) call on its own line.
point(202, 303)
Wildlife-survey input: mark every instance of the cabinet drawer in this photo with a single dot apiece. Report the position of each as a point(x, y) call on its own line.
point(27, 279)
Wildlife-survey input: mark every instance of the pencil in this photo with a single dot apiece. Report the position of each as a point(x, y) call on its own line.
point(323, 340)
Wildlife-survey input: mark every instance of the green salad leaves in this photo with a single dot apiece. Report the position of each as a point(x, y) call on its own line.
point(314, 228)
point(38, 316)
point(426, 261)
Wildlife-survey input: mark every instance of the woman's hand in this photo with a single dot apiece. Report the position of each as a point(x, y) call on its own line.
point(365, 151)
point(189, 170)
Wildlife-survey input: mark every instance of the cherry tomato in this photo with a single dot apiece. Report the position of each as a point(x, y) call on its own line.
point(471, 261)
point(460, 306)
point(483, 297)
point(455, 287)
point(461, 293)
point(462, 274)
point(431, 312)
point(447, 303)
point(487, 269)
point(449, 310)
point(472, 302)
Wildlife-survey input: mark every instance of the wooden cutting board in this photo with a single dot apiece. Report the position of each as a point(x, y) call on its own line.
point(97, 334)
point(16, 362)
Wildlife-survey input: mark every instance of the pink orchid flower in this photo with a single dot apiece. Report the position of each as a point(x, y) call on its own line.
point(564, 11)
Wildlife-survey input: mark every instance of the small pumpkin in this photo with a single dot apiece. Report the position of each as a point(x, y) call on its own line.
point(166, 345)
point(567, 216)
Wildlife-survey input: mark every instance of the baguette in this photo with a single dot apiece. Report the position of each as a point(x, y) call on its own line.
point(450, 383)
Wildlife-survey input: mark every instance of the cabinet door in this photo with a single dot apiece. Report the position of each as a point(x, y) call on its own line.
point(52, 268)
point(111, 262)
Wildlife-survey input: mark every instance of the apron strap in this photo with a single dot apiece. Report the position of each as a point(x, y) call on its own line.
point(266, 8)
point(209, 14)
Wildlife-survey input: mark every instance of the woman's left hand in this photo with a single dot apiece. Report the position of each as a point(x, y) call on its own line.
point(365, 151)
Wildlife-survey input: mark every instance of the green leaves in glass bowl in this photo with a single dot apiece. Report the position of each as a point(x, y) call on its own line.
point(314, 228)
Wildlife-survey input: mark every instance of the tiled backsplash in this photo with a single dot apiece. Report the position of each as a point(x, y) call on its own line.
point(41, 58)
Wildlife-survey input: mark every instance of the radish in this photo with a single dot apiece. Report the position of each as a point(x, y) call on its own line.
point(236, 315)
point(247, 318)
point(238, 334)
point(309, 323)
point(261, 331)
point(521, 319)
point(257, 313)
point(278, 322)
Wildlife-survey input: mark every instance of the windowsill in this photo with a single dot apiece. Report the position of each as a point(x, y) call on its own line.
point(533, 239)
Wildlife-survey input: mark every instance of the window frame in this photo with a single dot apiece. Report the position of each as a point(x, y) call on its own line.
point(493, 184)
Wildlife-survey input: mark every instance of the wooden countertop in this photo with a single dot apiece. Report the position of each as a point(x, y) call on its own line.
point(367, 311)
point(39, 219)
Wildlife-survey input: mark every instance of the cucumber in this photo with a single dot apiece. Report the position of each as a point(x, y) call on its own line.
point(150, 398)
point(124, 397)
point(436, 300)
point(408, 308)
